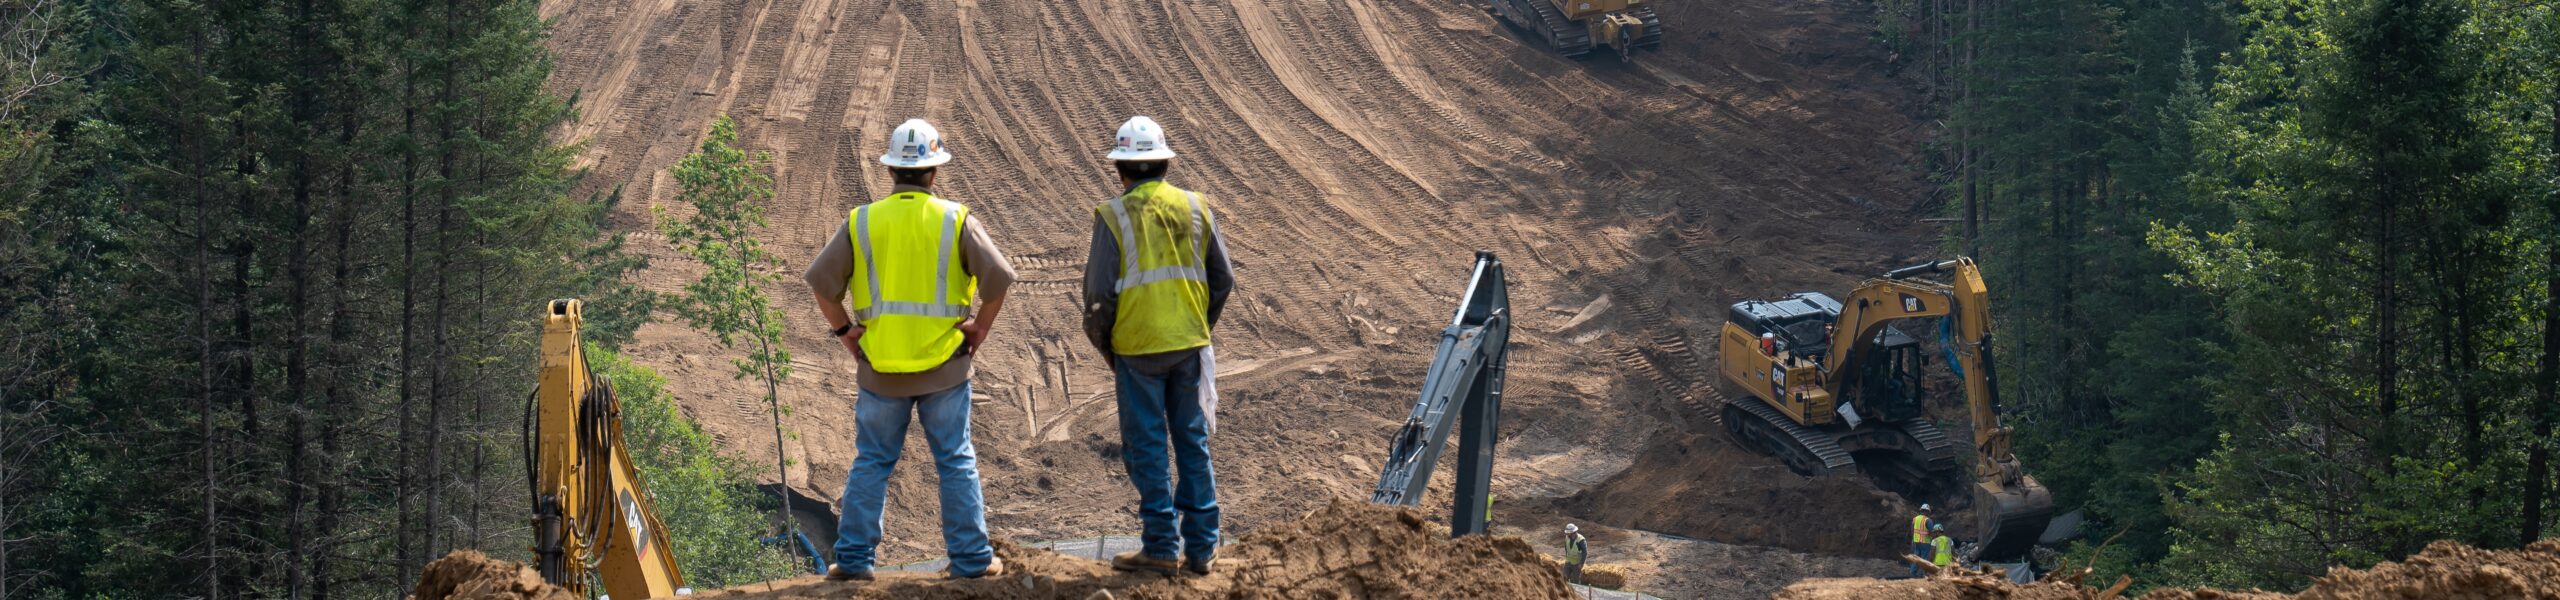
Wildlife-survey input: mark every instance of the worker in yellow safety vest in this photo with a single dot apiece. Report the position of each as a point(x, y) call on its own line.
point(1577, 549)
point(1942, 550)
point(1154, 284)
point(1920, 536)
point(910, 263)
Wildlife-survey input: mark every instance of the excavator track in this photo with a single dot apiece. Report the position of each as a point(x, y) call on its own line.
point(1652, 37)
point(1938, 453)
point(1807, 452)
point(1567, 37)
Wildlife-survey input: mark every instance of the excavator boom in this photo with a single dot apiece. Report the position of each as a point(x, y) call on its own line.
point(1462, 392)
point(593, 517)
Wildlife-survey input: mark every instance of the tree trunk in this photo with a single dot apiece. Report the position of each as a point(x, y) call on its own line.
point(2537, 481)
point(204, 381)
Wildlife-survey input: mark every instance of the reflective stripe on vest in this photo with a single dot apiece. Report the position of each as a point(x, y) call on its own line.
point(907, 329)
point(1920, 529)
point(1163, 282)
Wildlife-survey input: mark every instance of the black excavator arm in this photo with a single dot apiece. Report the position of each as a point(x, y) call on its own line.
point(1463, 392)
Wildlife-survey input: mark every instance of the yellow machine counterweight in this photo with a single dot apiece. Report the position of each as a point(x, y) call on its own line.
point(593, 518)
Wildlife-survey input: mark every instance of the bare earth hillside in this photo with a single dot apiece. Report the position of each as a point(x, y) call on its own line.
point(1357, 152)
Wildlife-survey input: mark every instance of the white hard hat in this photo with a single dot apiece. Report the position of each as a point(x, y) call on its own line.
point(1924, 507)
point(915, 145)
point(1141, 139)
point(1569, 528)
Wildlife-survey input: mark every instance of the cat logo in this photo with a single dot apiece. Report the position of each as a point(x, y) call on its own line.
point(639, 528)
point(1911, 304)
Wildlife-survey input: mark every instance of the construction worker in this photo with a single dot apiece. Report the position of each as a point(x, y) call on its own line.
point(910, 261)
point(1942, 550)
point(1154, 284)
point(1920, 536)
point(1576, 549)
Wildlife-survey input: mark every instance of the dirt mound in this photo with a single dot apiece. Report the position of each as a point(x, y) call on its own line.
point(1702, 486)
point(1344, 550)
point(470, 575)
point(2445, 570)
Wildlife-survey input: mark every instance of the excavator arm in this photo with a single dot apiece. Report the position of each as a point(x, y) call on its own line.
point(2012, 506)
point(593, 517)
point(1462, 392)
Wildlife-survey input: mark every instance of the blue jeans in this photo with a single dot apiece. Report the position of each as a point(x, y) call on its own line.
point(880, 433)
point(1924, 551)
point(1155, 408)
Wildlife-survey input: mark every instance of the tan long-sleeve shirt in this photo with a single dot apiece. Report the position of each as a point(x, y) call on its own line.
point(832, 272)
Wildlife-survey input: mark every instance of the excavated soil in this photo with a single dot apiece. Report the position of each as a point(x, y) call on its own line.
point(1344, 550)
point(1703, 486)
point(2447, 570)
point(1358, 152)
point(470, 575)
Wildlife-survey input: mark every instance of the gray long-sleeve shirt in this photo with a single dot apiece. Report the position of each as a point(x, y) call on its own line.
point(1102, 296)
point(832, 272)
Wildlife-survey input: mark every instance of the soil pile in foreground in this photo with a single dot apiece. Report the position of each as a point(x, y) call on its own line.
point(470, 575)
point(1705, 487)
point(1344, 550)
point(2444, 570)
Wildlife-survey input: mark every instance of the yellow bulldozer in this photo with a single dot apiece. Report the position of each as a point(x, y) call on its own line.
point(1830, 383)
point(1574, 27)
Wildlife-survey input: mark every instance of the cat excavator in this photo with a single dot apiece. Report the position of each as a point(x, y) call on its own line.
point(1830, 383)
point(593, 518)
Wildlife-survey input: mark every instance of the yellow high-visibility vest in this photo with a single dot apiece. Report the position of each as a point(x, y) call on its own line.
point(1163, 234)
point(909, 289)
point(1945, 551)
point(1920, 529)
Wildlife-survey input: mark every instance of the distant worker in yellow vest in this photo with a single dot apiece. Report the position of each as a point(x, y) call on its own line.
point(1941, 550)
point(911, 262)
point(1576, 550)
point(1920, 536)
point(1153, 287)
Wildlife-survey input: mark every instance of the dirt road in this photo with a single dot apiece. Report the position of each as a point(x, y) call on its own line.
point(1357, 152)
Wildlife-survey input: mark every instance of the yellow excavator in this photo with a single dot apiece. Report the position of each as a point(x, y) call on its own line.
point(593, 518)
point(1831, 382)
point(1574, 27)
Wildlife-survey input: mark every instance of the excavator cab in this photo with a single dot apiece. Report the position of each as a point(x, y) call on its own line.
point(1888, 383)
point(1888, 386)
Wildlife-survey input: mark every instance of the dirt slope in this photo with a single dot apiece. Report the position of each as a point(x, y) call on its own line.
point(1357, 150)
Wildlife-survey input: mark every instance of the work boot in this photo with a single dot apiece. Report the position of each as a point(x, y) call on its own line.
point(1200, 565)
point(1139, 561)
point(837, 572)
point(995, 566)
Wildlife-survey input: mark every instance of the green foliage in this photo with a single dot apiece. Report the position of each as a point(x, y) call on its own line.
point(727, 190)
point(2373, 280)
point(267, 279)
point(2267, 271)
point(705, 497)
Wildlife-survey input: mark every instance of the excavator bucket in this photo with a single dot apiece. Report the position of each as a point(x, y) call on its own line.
point(2013, 517)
